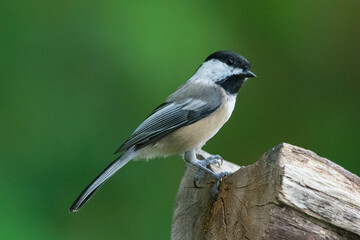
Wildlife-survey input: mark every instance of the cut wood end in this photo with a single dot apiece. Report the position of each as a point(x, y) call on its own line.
point(289, 191)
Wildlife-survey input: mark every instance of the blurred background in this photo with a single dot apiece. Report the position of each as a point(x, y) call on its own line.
point(77, 77)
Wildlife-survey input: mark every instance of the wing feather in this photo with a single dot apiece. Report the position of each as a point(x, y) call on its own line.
point(167, 118)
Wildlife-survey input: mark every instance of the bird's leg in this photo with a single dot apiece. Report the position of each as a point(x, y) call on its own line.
point(198, 175)
point(191, 157)
point(209, 158)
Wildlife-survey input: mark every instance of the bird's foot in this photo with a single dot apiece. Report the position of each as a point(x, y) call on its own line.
point(215, 190)
point(197, 177)
point(212, 160)
point(203, 164)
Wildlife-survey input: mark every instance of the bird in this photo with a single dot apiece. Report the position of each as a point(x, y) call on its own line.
point(188, 118)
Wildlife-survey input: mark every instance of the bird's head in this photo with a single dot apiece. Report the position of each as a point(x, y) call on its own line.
point(226, 69)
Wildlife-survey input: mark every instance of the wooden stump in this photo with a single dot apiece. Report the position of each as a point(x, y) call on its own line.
point(290, 193)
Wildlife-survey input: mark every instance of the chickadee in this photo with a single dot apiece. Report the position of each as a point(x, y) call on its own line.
point(189, 117)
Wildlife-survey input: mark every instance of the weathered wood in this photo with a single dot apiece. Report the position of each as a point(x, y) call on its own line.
point(290, 193)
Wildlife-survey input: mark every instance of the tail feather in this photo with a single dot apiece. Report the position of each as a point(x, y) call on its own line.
point(110, 170)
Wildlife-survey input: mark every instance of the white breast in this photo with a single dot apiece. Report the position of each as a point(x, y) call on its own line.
point(229, 107)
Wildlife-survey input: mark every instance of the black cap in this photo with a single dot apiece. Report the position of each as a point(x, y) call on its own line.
point(231, 59)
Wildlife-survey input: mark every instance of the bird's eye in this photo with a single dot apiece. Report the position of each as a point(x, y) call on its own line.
point(230, 62)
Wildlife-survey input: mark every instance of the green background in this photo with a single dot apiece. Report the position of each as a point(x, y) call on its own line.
point(77, 77)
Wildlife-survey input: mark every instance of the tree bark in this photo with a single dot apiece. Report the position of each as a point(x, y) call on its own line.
point(289, 193)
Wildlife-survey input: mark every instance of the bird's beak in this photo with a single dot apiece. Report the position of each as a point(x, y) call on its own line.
point(249, 74)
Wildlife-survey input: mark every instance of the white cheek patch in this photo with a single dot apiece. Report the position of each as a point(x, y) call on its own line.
point(214, 70)
point(236, 71)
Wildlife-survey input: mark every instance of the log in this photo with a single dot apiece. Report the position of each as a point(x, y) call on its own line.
point(289, 193)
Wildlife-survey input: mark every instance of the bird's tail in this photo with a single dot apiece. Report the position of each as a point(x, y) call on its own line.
point(110, 170)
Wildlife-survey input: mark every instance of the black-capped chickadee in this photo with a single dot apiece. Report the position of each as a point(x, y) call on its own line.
point(185, 121)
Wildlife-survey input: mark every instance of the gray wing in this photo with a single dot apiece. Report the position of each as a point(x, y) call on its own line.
point(167, 118)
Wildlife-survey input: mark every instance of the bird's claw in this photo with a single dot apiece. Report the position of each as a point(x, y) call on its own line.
point(221, 175)
point(215, 189)
point(197, 177)
point(211, 160)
